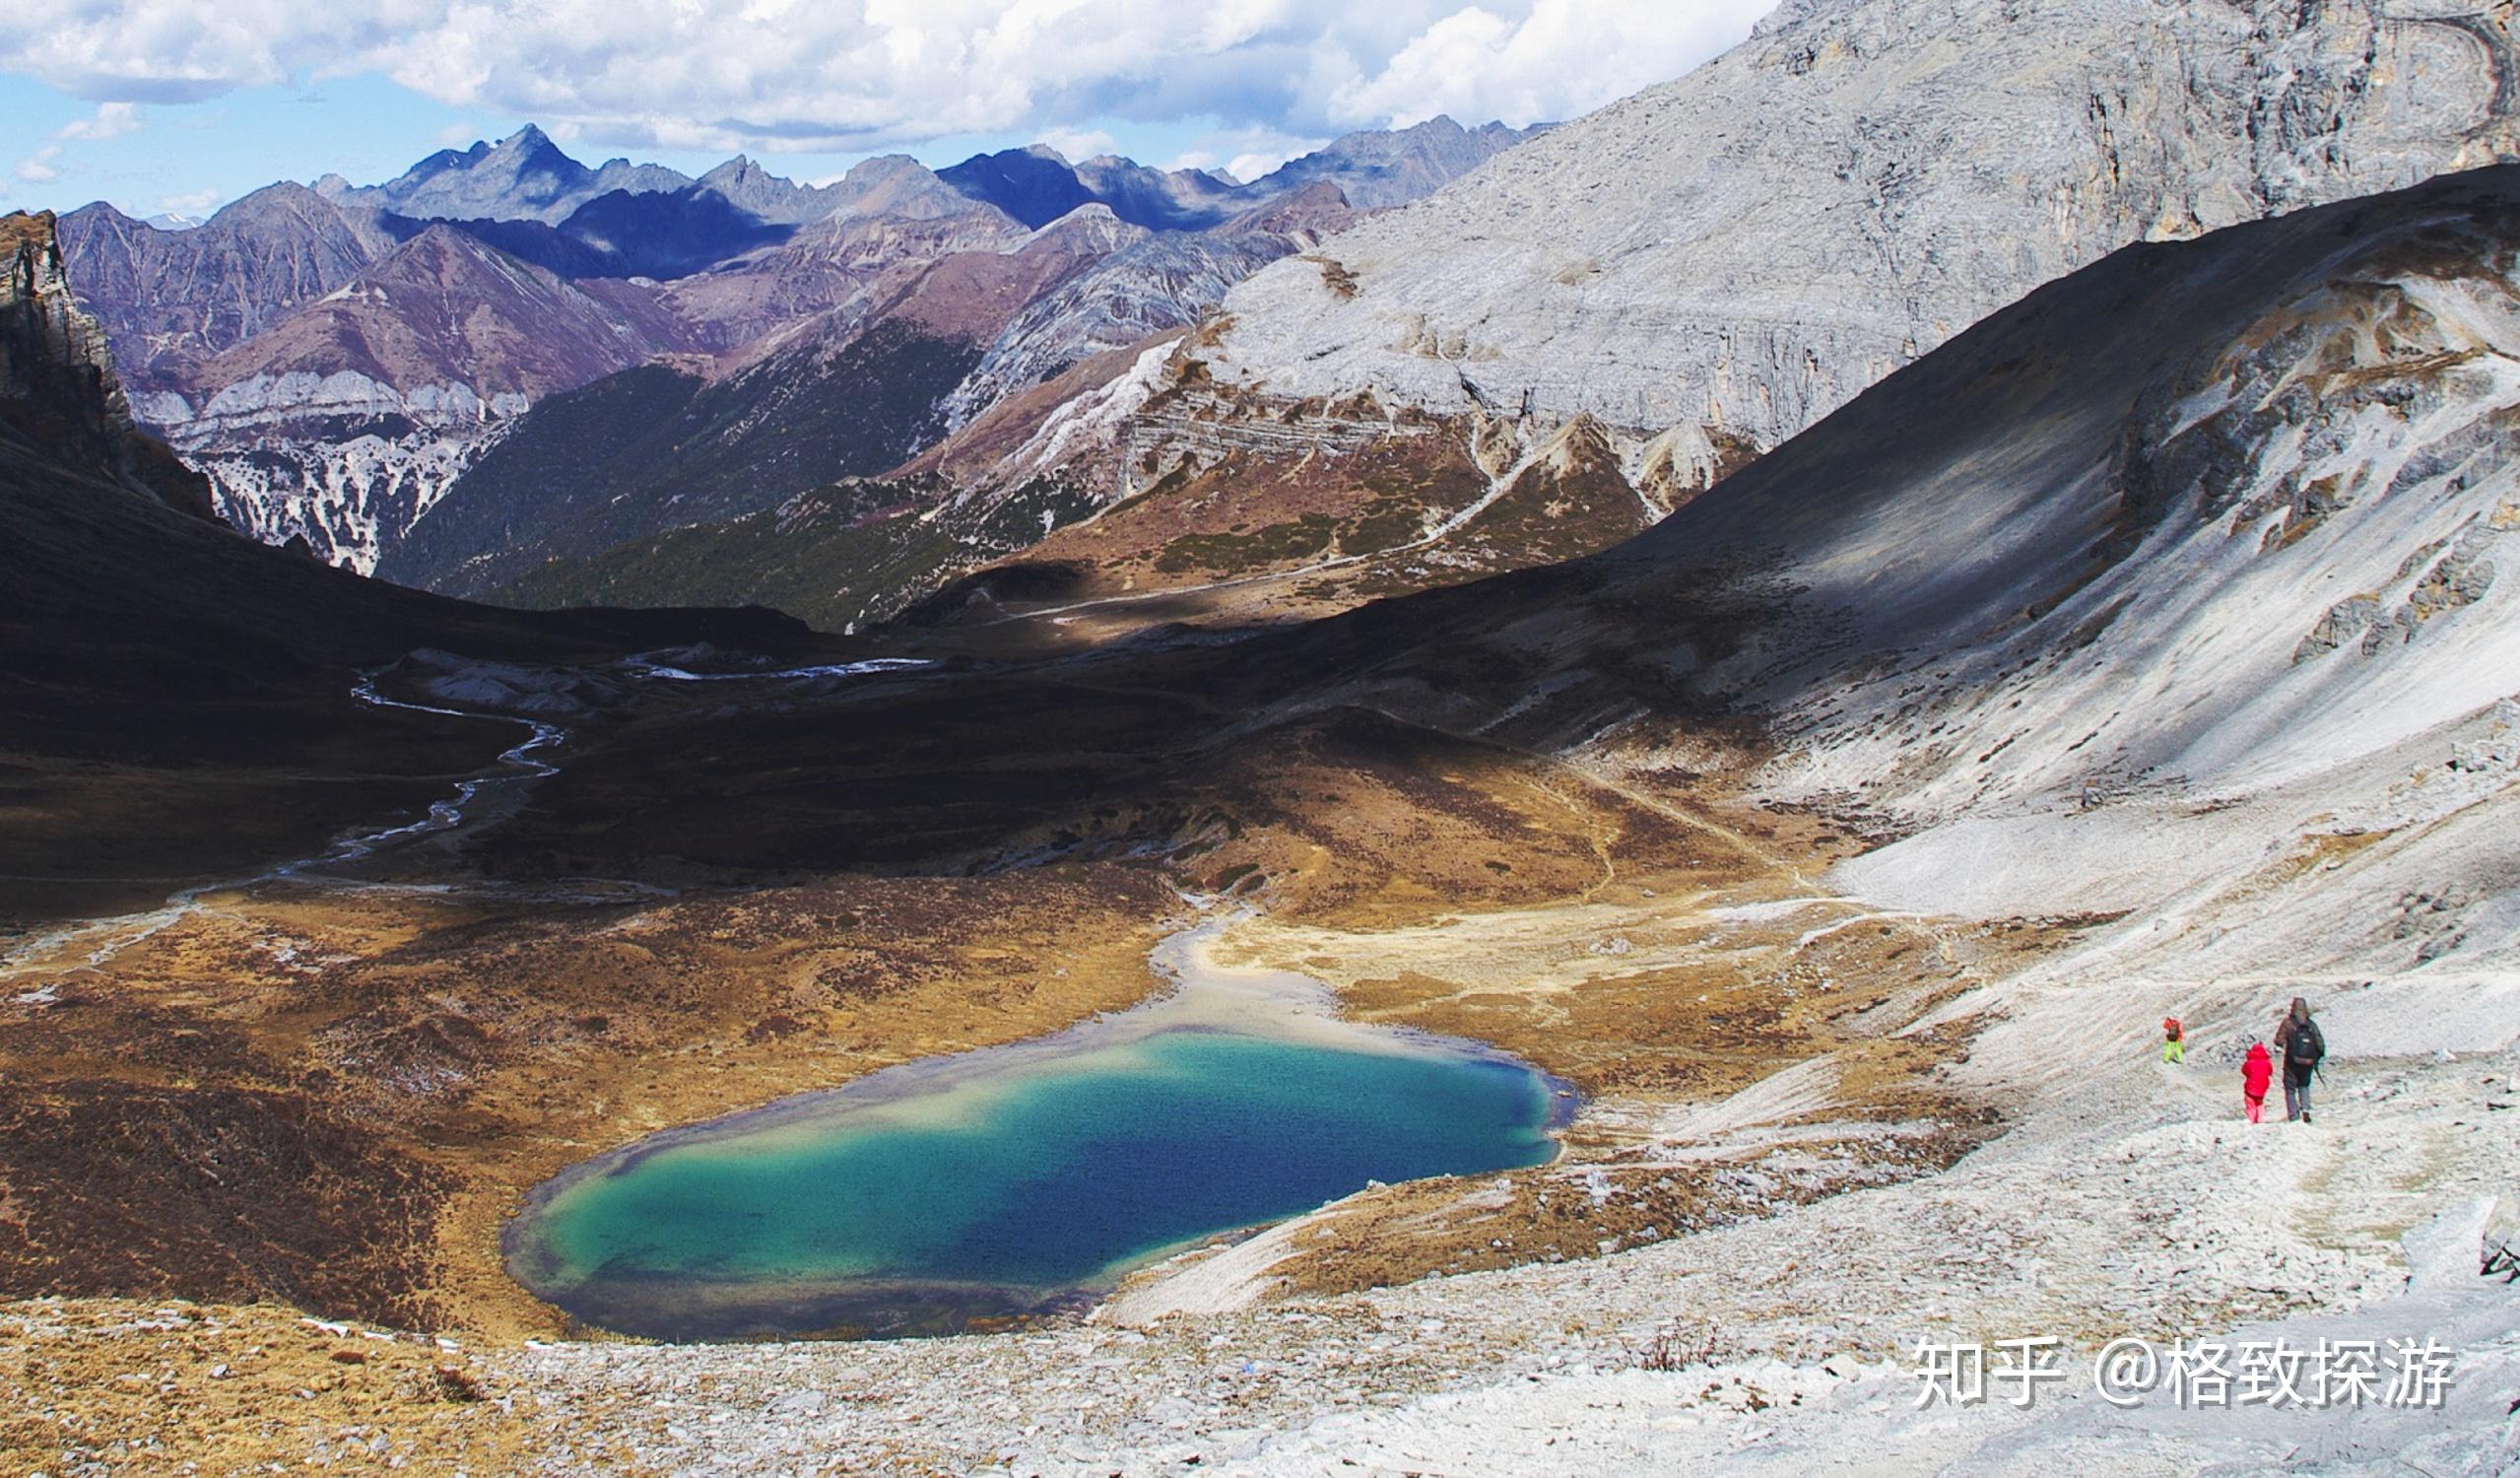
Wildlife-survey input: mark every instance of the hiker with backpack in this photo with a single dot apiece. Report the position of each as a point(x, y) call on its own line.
point(2299, 1042)
point(2174, 1040)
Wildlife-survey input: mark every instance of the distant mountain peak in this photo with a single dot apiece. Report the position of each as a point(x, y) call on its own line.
point(524, 177)
point(1090, 230)
point(885, 167)
point(1374, 169)
point(745, 182)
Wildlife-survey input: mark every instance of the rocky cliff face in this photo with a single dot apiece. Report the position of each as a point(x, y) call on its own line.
point(1380, 168)
point(344, 424)
point(171, 299)
point(1145, 284)
point(1743, 249)
point(60, 397)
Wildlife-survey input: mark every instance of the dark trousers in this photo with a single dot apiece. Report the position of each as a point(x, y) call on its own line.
point(2297, 1093)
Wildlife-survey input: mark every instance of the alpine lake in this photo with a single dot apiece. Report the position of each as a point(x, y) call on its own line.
point(983, 1189)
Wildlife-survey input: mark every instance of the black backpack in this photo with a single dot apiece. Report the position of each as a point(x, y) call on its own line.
point(2306, 1046)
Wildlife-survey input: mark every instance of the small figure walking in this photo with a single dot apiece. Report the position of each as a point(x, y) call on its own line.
point(2256, 1072)
point(2301, 1047)
point(2174, 1040)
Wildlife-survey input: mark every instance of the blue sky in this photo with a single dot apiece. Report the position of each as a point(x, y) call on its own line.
point(191, 157)
point(173, 105)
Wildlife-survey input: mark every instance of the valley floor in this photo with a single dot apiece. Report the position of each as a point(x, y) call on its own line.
point(2130, 1200)
point(2136, 1203)
point(1816, 1129)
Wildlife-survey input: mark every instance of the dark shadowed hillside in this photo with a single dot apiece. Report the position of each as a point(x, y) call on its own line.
point(177, 697)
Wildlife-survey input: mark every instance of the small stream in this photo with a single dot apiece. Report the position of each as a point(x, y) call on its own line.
point(486, 798)
point(963, 1191)
point(482, 800)
point(496, 792)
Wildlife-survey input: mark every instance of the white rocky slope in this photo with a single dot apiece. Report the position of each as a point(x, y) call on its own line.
point(1747, 246)
point(350, 496)
point(2071, 508)
point(2128, 509)
point(349, 419)
point(2203, 572)
point(2128, 1199)
point(1149, 283)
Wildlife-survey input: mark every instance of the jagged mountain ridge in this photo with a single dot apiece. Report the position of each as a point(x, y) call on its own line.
point(523, 176)
point(1746, 248)
point(174, 697)
point(322, 434)
point(343, 424)
point(527, 177)
point(2188, 568)
point(1373, 168)
point(1705, 268)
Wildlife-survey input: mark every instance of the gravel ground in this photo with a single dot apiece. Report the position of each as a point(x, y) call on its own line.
point(2134, 1203)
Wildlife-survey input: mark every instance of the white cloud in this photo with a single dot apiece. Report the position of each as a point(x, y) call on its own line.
point(773, 75)
point(190, 203)
point(182, 50)
point(1247, 152)
point(111, 120)
point(1080, 143)
point(1250, 166)
point(1554, 60)
point(37, 167)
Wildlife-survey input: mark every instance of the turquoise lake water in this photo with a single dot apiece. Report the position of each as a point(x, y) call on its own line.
point(1006, 1192)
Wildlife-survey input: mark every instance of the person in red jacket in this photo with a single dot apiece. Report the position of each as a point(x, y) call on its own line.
point(2255, 1074)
